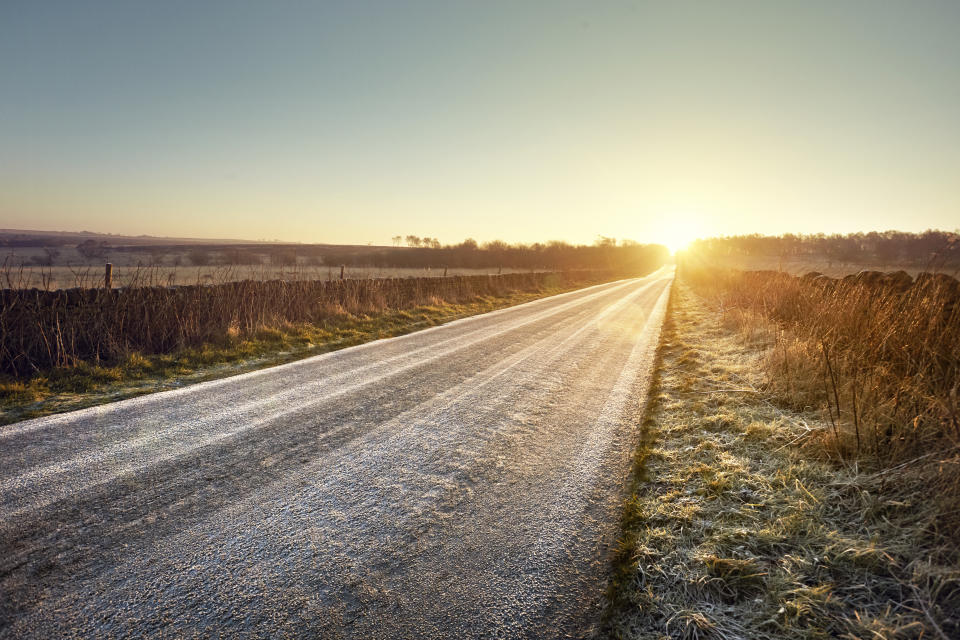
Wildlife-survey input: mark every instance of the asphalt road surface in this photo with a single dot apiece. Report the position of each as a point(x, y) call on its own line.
point(463, 481)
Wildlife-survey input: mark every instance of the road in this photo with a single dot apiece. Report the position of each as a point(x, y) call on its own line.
point(462, 481)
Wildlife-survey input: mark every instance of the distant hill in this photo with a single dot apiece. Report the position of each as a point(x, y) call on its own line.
point(34, 237)
point(38, 238)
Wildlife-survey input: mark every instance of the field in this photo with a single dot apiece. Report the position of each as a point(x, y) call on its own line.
point(65, 267)
point(800, 462)
point(752, 512)
point(63, 261)
point(88, 276)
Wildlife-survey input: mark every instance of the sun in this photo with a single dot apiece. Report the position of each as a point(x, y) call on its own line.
point(676, 229)
point(677, 236)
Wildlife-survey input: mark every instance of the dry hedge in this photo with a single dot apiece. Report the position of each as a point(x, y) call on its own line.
point(40, 329)
point(879, 351)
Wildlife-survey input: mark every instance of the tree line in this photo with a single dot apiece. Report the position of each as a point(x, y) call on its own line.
point(626, 256)
point(606, 253)
point(885, 247)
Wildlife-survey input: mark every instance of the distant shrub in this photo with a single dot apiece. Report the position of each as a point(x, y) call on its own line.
point(199, 257)
point(236, 256)
point(93, 250)
point(285, 257)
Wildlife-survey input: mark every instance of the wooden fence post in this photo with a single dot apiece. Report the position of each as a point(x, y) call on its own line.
point(341, 271)
point(108, 276)
point(444, 271)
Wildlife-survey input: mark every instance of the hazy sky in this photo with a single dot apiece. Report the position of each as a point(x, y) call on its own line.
point(357, 121)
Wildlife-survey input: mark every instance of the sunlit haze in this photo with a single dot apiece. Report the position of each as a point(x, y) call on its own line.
point(524, 121)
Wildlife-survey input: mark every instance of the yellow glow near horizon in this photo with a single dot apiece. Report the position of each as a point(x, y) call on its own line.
point(677, 242)
point(678, 231)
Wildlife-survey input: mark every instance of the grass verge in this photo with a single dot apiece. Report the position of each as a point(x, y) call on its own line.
point(731, 530)
point(67, 389)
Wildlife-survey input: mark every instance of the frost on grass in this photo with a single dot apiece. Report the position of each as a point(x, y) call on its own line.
point(732, 531)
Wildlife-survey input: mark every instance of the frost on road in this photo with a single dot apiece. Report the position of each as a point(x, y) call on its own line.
point(463, 481)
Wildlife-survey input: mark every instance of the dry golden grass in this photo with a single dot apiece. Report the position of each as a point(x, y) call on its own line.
point(43, 330)
point(734, 530)
point(880, 355)
point(84, 384)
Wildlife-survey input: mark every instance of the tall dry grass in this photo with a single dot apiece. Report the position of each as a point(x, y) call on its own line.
point(732, 531)
point(42, 330)
point(878, 354)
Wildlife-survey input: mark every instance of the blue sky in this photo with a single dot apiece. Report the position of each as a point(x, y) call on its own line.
point(355, 122)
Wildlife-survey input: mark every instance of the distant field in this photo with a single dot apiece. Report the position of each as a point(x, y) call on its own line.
point(799, 266)
point(23, 268)
point(50, 261)
point(86, 276)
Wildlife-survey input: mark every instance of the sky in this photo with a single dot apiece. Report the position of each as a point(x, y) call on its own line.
point(524, 121)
